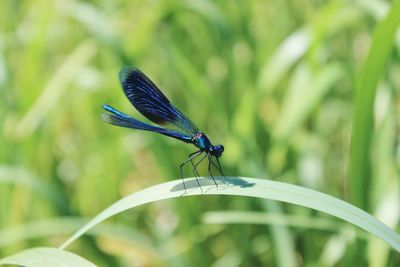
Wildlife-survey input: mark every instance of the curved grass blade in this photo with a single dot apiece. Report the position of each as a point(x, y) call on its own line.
point(46, 257)
point(250, 187)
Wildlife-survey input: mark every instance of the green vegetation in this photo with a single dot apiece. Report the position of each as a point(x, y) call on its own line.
point(301, 92)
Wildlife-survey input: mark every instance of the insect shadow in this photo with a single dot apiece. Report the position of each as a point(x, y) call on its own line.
point(223, 182)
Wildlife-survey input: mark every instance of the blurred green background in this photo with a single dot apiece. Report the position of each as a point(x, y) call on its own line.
point(274, 81)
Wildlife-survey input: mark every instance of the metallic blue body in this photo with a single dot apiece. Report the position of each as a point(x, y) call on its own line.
point(202, 142)
point(118, 118)
point(154, 105)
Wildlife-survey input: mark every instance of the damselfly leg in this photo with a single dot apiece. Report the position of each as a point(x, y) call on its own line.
point(209, 169)
point(218, 168)
point(195, 171)
point(190, 159)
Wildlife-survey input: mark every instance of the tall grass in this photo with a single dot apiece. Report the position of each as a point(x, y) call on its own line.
point(280, 84)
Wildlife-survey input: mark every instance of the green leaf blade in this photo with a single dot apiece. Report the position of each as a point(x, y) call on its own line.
point(250, 187)
point(46, 257)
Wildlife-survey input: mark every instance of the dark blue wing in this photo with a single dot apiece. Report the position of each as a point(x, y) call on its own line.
point(151, 102)
point(118, 118)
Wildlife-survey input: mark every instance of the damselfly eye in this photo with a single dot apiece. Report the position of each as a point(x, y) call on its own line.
point(218, 150)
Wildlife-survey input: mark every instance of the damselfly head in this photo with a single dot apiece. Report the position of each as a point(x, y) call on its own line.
point(217, 150)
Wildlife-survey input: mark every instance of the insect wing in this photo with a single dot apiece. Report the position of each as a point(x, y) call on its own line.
point(151, 102)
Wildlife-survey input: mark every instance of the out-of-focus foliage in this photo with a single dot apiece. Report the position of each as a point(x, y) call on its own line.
point(273, 81)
